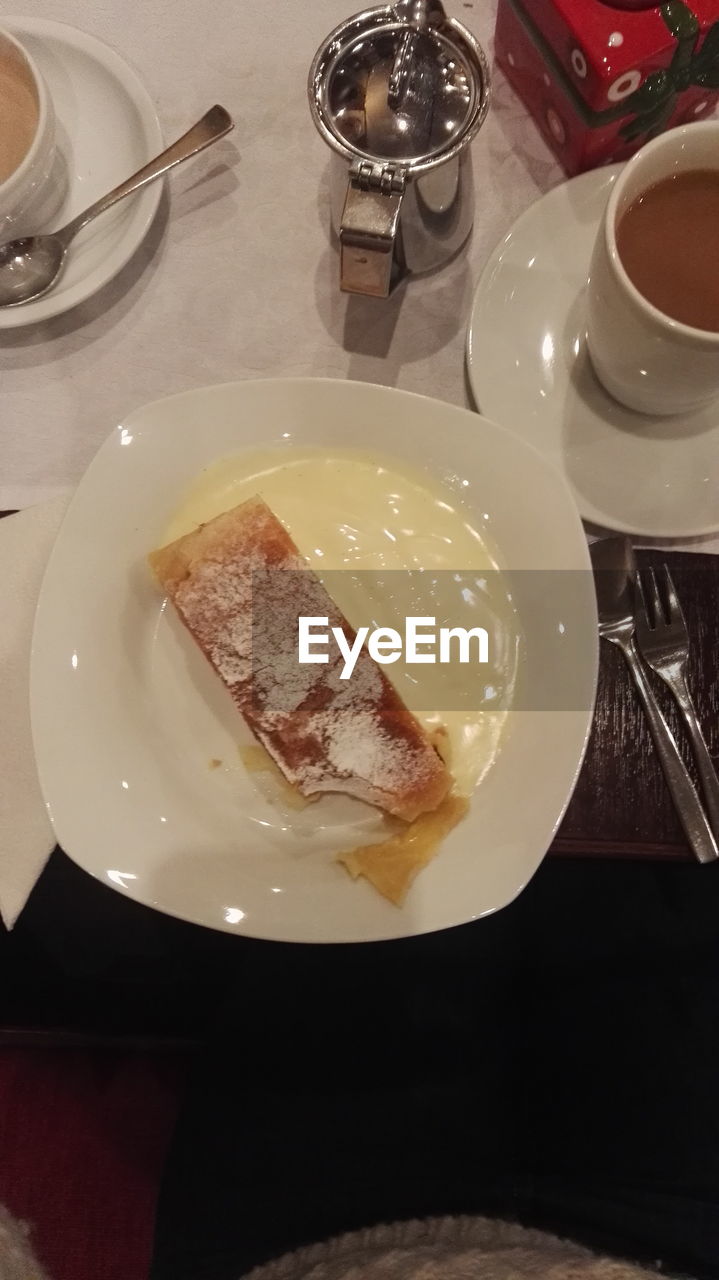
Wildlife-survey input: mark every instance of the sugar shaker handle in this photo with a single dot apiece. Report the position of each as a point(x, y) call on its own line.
point(369, 228)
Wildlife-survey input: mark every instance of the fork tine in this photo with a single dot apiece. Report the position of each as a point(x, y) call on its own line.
point(676, 613)
point(641, 608)
point(652, 599)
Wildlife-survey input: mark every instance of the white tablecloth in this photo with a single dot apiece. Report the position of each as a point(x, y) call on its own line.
point(237, 278)
point(240, 280)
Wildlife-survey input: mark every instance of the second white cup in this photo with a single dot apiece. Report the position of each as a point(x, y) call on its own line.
point(644, 358)
point(29, 185)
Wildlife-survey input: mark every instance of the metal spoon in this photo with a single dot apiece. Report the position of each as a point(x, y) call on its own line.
point(418, 16)
point(31, 265)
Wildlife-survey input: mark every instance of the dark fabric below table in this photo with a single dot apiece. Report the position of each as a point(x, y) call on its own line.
point(557, 1063)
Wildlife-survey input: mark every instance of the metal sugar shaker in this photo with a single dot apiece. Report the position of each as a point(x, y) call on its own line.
point(398, 93)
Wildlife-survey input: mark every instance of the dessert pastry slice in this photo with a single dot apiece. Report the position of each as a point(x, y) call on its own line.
point(240, 585)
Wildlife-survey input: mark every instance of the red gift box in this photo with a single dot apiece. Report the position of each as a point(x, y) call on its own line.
point(601, 79)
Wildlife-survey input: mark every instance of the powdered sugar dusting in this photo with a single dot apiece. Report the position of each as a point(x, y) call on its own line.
point(357, 744)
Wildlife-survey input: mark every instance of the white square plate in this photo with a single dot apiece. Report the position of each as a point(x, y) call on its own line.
point(126, 714)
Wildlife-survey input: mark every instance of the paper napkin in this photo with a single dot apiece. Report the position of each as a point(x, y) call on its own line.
point(26, 836)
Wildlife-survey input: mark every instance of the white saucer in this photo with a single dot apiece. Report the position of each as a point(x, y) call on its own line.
point(107, 128)
point(529, 369)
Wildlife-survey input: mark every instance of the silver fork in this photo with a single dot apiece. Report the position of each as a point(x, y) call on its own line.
point(663, 640)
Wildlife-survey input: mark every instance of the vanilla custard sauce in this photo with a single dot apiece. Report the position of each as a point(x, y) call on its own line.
point(351, 511)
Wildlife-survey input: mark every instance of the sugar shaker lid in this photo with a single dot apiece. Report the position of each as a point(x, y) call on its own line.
point(402, 82)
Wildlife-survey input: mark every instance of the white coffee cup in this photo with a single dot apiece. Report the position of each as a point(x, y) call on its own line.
point(644, 358)
point(28, 182)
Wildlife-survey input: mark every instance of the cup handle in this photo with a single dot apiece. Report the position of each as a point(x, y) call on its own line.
point(368, 236)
